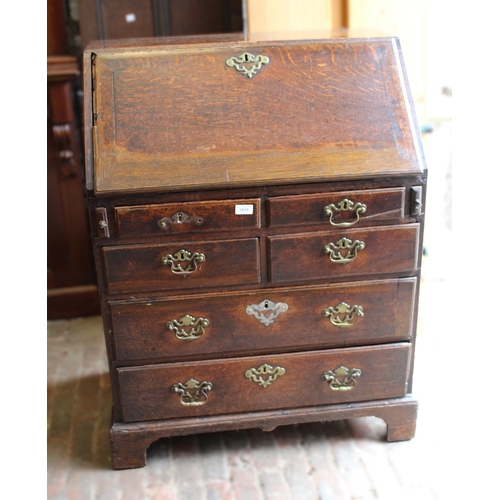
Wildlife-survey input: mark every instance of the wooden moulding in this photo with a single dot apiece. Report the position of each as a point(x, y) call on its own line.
point(62, 68)
point(129, 442)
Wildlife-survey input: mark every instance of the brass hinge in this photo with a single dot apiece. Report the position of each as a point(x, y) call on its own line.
point(94, 109)
point(102, 222)
point(417, 207)
point(94, 93)
point(94, 145)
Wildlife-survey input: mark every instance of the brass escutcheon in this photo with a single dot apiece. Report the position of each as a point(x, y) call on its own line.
point(256, 374)
point(193, 259)
point(238, 63)
point(334, 250)
point(344, 205)
point(180, 218)
point(267, 311)
point(342, 378)
point(192, 392)
point(195, 332)
point(343, 314)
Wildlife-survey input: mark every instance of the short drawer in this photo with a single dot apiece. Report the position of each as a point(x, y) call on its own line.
point(216, 325)
point(338, 210)
point(263, 382)
point(134, 268)
point(387, 249)
point(174, 218)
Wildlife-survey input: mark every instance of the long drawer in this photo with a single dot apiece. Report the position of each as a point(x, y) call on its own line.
point(386, 249)
point(134, 268)
point(216, 325)
point(263, 382)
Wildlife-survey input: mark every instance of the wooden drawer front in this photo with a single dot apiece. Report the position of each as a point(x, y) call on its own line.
point(214, 325)
point(247, 384)
point(173, 218)
point(347, 208)
point(134, 268)
point(387, 249)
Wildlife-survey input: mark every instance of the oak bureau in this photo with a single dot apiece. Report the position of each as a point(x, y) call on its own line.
point(257, 213)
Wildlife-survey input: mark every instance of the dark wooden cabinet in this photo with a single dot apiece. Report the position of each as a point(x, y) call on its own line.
point(120, 19)
point(256, 211)
point(71, 25)
point(71, 279)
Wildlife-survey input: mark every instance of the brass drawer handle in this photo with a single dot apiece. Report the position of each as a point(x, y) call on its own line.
point(192, 392)
point(265, 374)
point(238, 63)
point(344, 205)
point(334, 250)
point(267, 311)
point(342, 378)
point(180, 218)
point(350, 314)
point(176, 260)
point(195, 332)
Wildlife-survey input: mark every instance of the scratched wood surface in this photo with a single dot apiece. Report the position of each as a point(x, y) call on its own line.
point(180, 118)
point(379, 205)
point(138, 268)
point(141, 333)
point(387, 249)
point(174, 218)
point(146, 391)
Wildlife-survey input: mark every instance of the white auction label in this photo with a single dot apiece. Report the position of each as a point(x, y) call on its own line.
point(243, 209)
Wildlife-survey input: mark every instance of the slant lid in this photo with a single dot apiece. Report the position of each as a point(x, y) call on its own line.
point(214, 115)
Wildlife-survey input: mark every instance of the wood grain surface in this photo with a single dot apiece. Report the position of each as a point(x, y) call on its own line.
point(146, 392)
point(381, 205)
point(215, 215)
point(129, 441)
point(388, 249)
point(180, 118)
point(131, 268)
point(140, 329)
